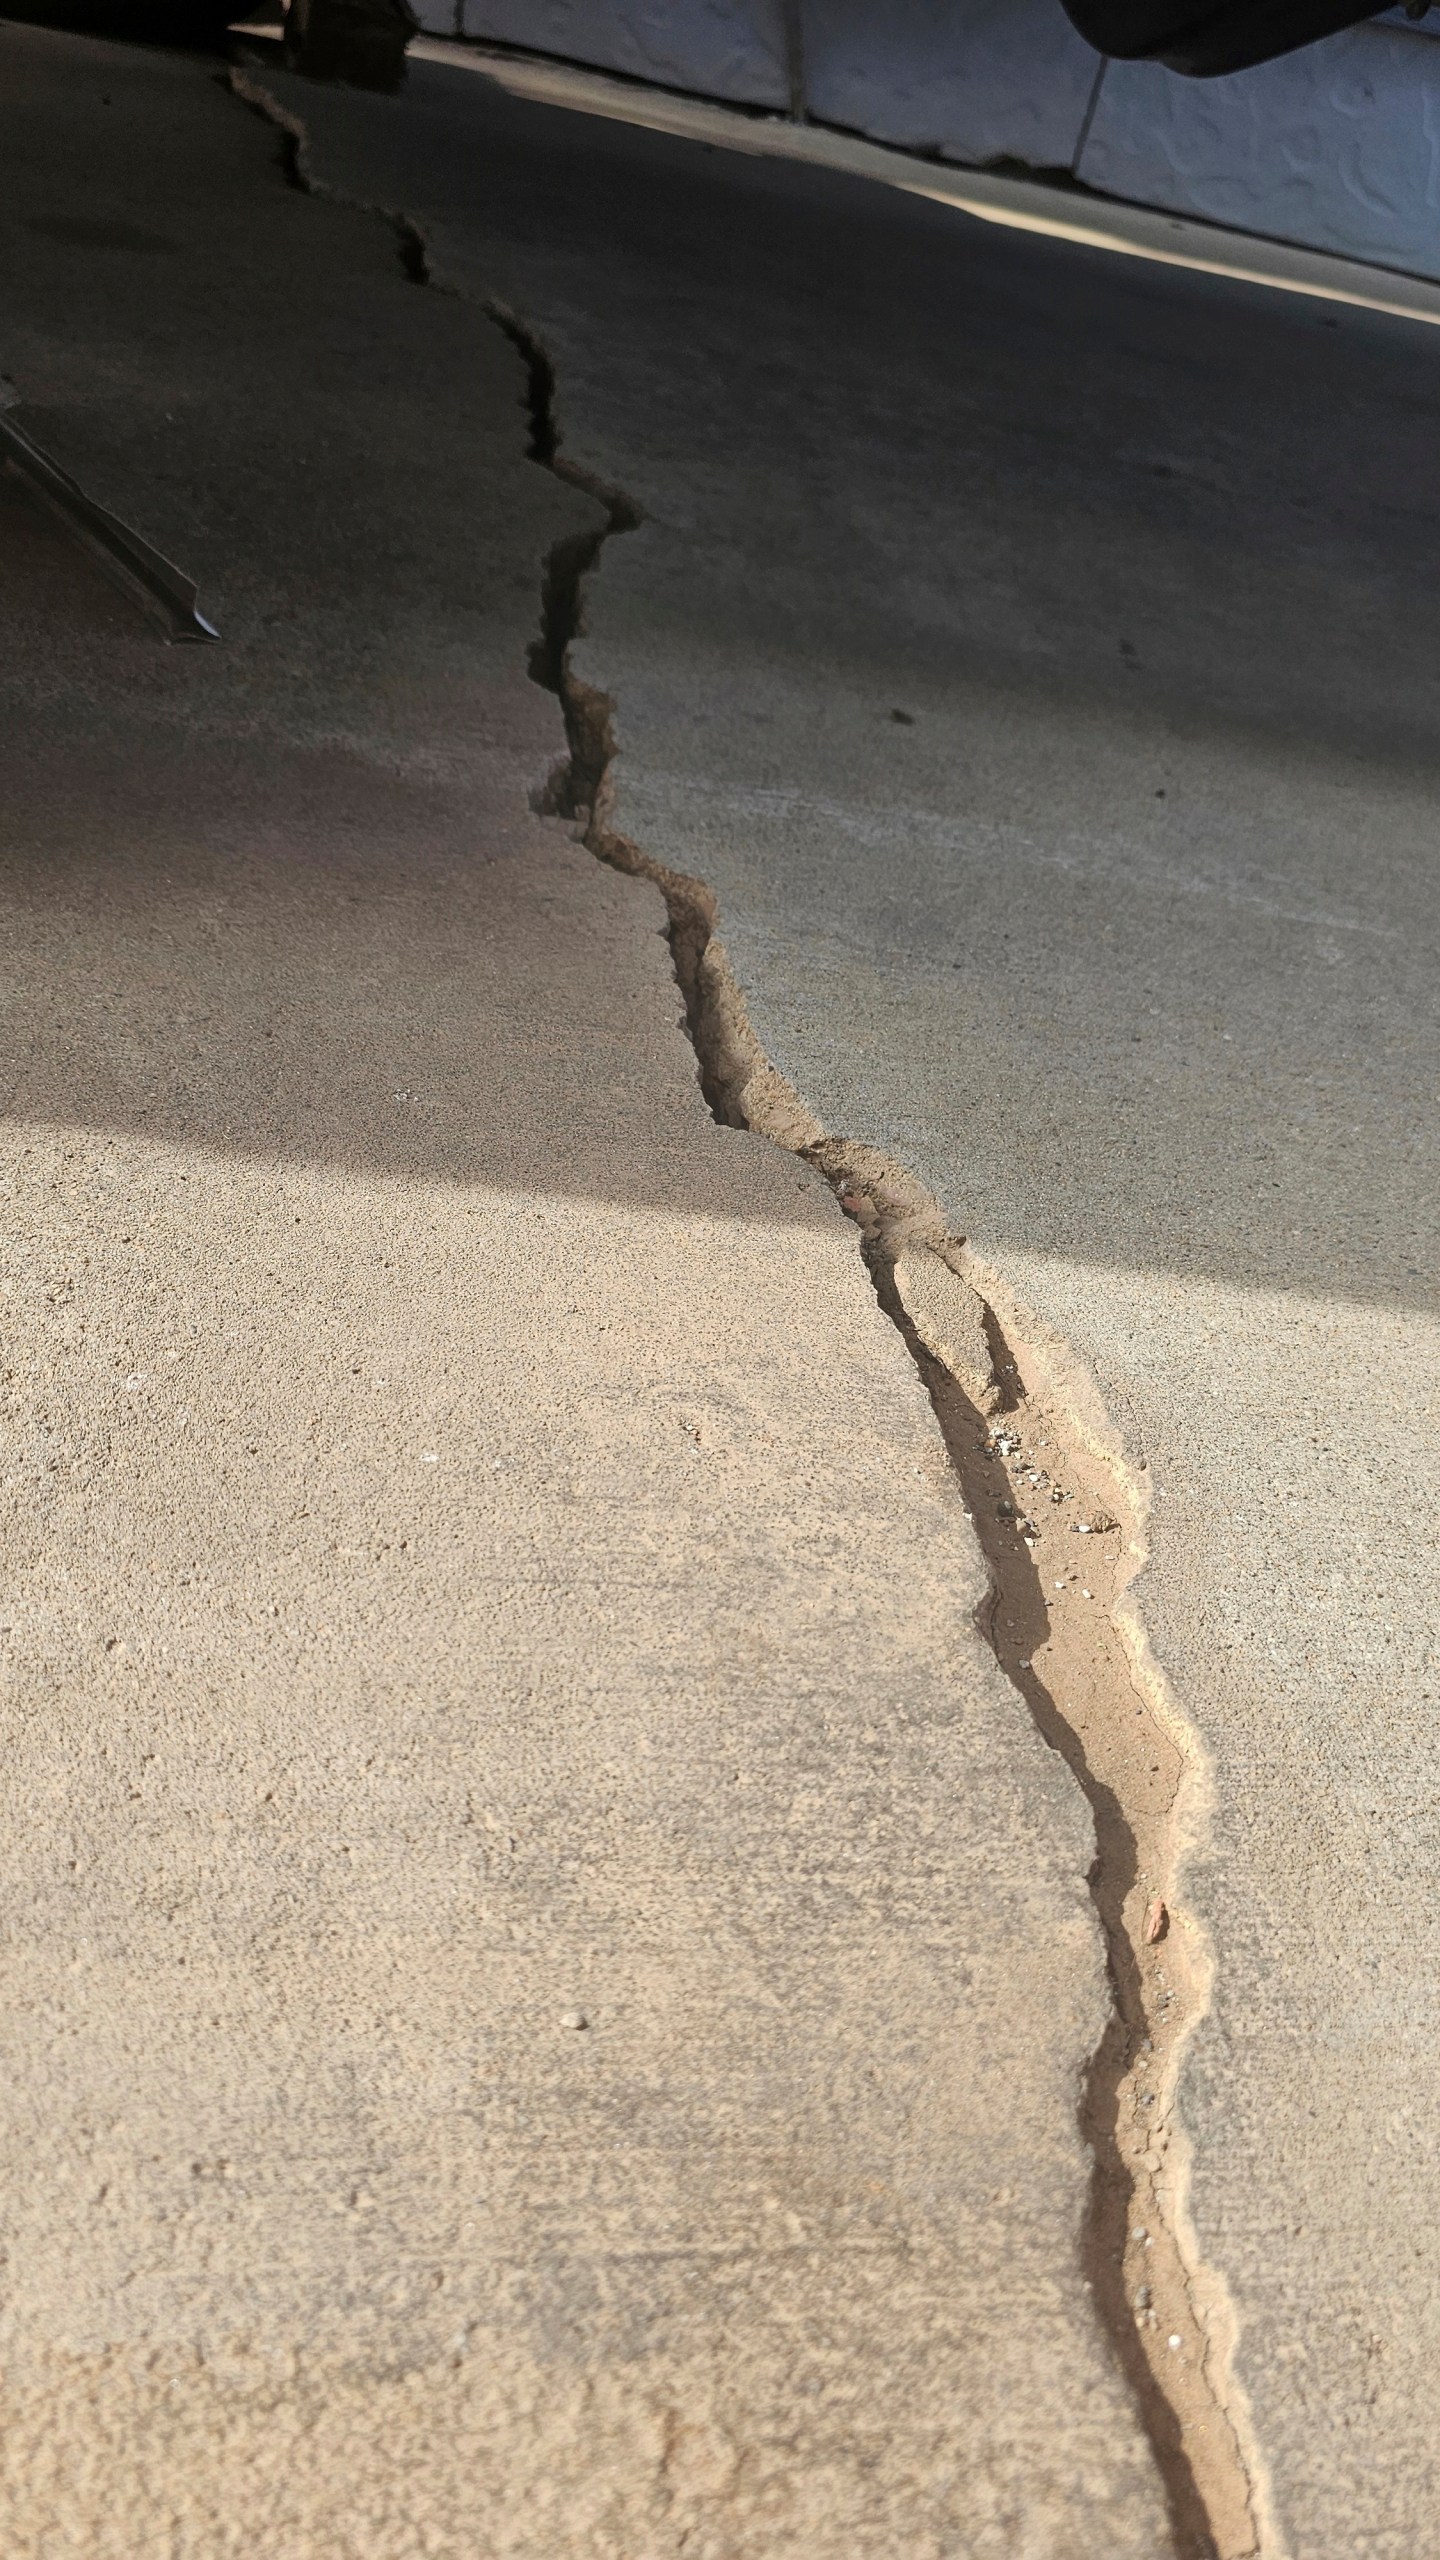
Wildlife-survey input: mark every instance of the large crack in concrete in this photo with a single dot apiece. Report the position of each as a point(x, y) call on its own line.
point(1061, 1519)
point(1036, 1482)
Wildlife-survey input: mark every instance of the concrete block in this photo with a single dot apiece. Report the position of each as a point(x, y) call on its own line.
point(1337, 146)
point(730, 49)
point(982, 80)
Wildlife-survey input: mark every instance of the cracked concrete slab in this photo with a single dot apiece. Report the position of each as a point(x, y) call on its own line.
point(547, 1971)
point(1030, 651)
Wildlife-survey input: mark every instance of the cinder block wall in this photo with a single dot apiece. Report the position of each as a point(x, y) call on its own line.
point(739, 50)
point(1337, 147)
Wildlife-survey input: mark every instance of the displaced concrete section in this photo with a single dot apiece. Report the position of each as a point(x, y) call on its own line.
point(549, 1972)
point(1030, 655)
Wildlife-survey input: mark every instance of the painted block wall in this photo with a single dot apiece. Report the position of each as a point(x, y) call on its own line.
point(1336, 147)
point(986, 80)
point(731, 49)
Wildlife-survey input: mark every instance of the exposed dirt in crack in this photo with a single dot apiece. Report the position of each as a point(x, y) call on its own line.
point(1062, 1524)
point(1062, 1527)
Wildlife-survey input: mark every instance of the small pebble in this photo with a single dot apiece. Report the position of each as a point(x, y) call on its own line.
point(1173, 2342)
point(573, 2018)
point(1157, 1921)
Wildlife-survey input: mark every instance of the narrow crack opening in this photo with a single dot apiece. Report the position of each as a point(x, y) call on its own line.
point(1061, 1526)
point(414, 258)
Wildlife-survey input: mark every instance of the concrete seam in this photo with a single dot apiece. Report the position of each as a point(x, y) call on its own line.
point(792, 20)
point(1088, 118)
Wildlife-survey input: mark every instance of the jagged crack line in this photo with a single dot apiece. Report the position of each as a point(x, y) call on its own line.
point(1139, 2252)
point(298, 172)
point(1000, 1414)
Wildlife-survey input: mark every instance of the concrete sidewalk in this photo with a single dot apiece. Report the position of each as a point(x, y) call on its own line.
point(1031, 652)
point(547, 1970)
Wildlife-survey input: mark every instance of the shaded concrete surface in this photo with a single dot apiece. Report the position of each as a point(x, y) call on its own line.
point(1034, 653)
point(546, 1972)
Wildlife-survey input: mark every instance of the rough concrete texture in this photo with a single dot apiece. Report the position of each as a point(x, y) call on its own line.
point(547, 1971)
point(1033, 651)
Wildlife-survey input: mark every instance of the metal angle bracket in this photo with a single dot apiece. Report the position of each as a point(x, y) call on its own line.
point(128, 560)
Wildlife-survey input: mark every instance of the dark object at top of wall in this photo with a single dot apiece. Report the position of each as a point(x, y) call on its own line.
point(359, 41)
point(198, 24)
point(1206, 41)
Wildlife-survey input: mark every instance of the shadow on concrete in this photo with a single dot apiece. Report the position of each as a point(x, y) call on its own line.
point(308, 954)
point(959, 497)
point(1125, 938)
